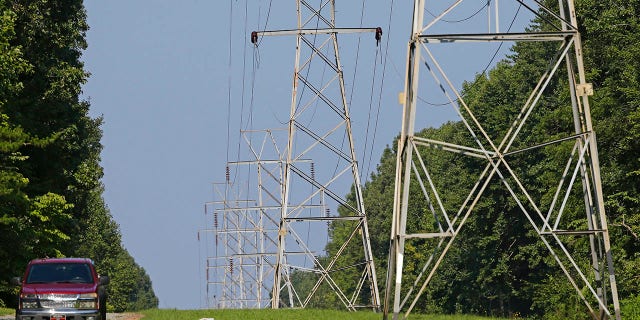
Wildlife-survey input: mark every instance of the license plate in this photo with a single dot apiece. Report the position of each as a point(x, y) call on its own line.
point(58, 317)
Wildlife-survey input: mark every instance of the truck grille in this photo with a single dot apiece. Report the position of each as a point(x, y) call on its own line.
point(57, 304)
point(58, 300)
point(58, 296)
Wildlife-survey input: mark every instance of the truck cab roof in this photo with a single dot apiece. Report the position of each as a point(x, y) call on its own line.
point(61, 260)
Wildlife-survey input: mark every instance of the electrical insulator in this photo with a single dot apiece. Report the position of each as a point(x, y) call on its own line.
point(231, 265)
point(228, 174)
point(313, 171)
point(327, 213)
point(216, 239)
point(215, 219)
point(254, 37)
point(378, 35)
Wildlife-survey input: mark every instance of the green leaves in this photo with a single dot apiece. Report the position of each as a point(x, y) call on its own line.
point(498, 265)
point(49, 214)
point(130, 287)
point(50, 191)
point(12, 63)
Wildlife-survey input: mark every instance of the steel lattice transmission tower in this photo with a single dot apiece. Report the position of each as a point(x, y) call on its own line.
point(237, 270)
point(576, 190)
point(319, 128)
point(240, 268)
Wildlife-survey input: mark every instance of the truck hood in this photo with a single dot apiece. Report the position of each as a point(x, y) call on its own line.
point(68, 288)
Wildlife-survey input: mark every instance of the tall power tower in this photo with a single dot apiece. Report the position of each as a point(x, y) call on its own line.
point(319, 128)
point(589, 269)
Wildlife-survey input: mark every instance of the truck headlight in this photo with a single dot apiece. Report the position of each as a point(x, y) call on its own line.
point(29, 305)
point(29, 301)
point(86, 304)
point(87, 301)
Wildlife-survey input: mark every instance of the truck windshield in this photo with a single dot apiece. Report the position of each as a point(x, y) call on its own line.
point(60, 273)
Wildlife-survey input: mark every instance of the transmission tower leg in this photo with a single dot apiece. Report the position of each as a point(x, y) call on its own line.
point(403, 168)
point(595, 167)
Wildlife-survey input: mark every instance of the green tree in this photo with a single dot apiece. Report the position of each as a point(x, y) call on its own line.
point(130, 287)
point(31, 224)
point(498, 266)
point(50, 151)
point(611, 31)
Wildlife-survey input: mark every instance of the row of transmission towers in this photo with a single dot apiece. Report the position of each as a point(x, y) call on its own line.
point(265, 255)
point(270, 231)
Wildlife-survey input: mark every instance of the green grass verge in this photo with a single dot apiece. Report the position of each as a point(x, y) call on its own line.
point(7, 311)
point(284, 314)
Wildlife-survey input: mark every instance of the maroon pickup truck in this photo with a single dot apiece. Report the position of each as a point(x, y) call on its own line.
point(61, 289)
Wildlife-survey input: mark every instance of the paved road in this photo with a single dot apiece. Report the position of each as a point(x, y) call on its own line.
point(123, 316)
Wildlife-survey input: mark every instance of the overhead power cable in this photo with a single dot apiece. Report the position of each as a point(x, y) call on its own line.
point(384, 72)
point(488, 65)
point(229, 78)
point(357, 53)
point(501, 43)
point(266, 23)
point(463, 19)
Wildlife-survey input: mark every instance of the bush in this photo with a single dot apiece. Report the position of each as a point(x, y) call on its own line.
point(631, 308)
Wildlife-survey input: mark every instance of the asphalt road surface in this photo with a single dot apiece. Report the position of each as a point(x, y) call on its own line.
point(123, 316)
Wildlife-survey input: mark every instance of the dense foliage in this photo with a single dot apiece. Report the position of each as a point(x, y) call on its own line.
point(498, 266)
point(50, 191)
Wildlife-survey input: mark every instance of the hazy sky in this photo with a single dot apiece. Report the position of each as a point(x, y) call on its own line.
point(166, 76)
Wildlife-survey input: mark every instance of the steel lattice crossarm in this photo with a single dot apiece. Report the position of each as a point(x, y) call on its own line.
point(296, 32)
point(488, 37)
point(491, 153)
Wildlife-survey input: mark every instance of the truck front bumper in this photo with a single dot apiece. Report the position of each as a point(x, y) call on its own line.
point(57, 314)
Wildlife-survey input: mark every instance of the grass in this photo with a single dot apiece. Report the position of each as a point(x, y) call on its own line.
point(269, 314)
point(7, 311)
point(284, 314)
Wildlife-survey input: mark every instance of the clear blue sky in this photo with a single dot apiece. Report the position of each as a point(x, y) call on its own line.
point(161, 79)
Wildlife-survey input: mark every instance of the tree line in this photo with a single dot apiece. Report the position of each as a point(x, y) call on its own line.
point(51, 201)
point(498, 266)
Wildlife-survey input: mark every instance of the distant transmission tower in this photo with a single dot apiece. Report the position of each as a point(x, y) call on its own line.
point(590, 269)
point(319, 128)
point(241, 266)
point(236, 269)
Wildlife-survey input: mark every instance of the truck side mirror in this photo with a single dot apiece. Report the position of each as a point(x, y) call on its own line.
point(104, 280)
point(16, 281)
